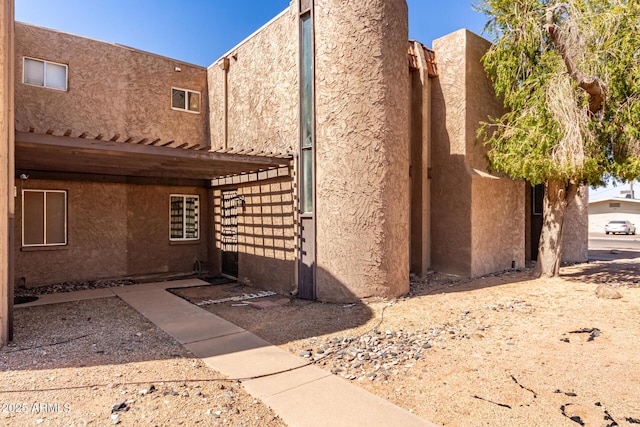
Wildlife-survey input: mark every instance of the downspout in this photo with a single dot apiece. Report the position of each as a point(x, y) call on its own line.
point(225, 94)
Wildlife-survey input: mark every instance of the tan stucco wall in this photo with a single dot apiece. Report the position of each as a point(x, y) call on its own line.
point(6, 168)
point(111, 90)
point(600, 213)
point(362, 149)
point(420, 133)
point(266, 234)
point(262, 81)
point(478, 220)
point(114, 230)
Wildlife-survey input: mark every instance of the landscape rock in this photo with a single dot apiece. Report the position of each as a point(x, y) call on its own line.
point(607, 292)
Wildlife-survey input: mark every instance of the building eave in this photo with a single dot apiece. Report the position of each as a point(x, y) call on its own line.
point(67, 154)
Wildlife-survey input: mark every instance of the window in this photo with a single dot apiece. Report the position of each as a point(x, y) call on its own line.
point(537, 199)
point(44, 73)
point(183, 211)
point(614, 205)
point(44, 218)
point(186, 100)
point(307, 113)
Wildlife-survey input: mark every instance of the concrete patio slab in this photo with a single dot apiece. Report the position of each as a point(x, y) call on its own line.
point(244, 355)
point(182, 320)
point(68, 297)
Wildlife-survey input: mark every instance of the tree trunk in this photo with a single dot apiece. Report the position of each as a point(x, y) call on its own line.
point(557, 197)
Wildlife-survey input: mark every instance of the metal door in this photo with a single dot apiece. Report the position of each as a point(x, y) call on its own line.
point(229, 235)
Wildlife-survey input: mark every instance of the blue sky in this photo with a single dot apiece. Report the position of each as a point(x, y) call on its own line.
point(201, 31)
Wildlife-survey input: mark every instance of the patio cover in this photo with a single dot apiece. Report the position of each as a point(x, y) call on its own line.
point(135, 157)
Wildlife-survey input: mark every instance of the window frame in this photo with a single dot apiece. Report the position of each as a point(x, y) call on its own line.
point(66, 218)
point(184, 218)
point(187, 93)
point(44, 65)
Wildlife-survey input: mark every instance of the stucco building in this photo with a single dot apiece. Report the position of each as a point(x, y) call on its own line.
point(326, 156)
point(613, 209)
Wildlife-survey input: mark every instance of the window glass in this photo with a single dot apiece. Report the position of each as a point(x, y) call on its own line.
point(307, 81)
point(178, 99)
point(44, 218)
point(33, 72)
point(191, 218)
point(194, 101)
point(33, 218)
point(307, 181)
point(56, 76)
point(56, 217)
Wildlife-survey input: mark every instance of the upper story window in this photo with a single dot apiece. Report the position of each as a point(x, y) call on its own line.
point(185, 100)
point(38, 72)
point(44, 218)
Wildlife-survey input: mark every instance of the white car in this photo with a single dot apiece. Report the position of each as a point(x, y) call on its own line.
point(615, 227)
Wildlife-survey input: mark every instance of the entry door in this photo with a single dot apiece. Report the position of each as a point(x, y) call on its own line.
point(230, 233)
point(537, 195)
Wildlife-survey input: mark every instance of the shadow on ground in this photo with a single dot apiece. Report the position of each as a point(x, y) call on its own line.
point(276, 318)
point(613, 267)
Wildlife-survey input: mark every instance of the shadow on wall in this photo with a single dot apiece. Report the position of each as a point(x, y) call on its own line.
point(254, 228)
point(450, 193)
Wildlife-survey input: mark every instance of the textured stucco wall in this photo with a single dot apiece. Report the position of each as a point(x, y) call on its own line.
point(111, 90)
point(262, 81)
point(478, 221)
point(6, 167)
point(266, 234)
point(451, 183)
point(498, 225)
point(114, 230)
point(498, 205)
point(575, 239)
point(149, 249)
point(362, 148)
point(420, 163)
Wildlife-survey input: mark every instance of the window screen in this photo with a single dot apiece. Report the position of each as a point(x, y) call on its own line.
point(44, 218)
point(45, 74)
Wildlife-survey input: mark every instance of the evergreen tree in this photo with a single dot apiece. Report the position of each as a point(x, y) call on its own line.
point(569, 75)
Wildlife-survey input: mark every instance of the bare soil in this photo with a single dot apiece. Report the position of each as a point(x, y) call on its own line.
point(100, 363)
point(496, 351)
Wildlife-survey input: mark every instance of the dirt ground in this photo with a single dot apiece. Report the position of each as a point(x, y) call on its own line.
point(496, 351)
point(100, 363)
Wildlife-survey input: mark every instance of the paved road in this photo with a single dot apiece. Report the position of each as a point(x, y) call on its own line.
point(618, 241)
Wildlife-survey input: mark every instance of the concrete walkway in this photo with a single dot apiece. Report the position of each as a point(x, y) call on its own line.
point(301, 395)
